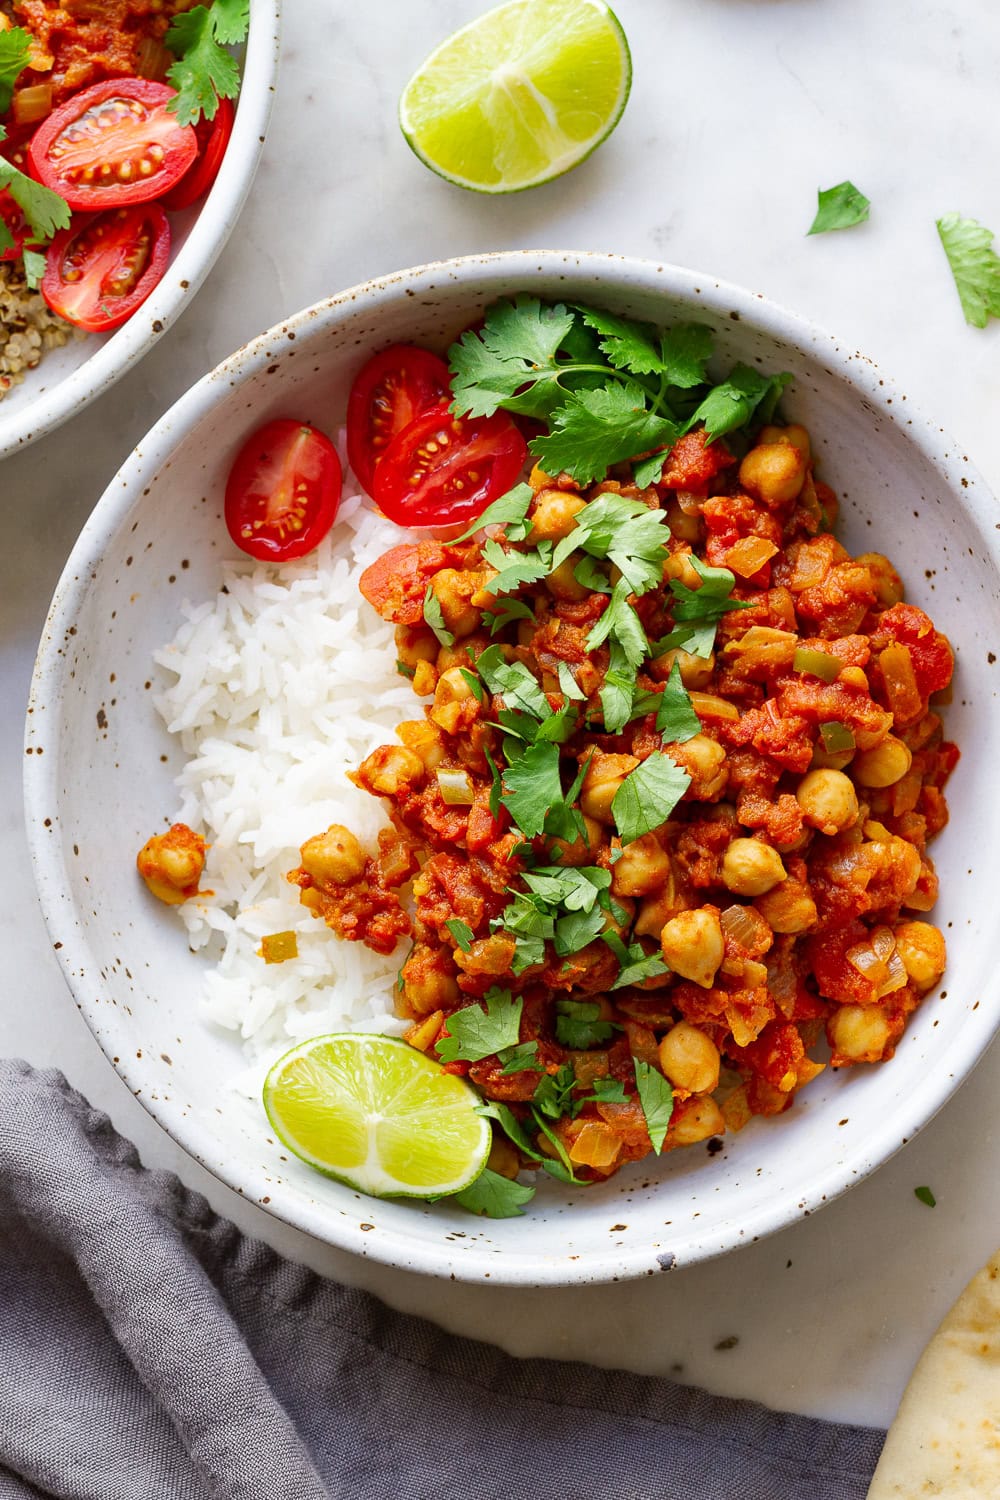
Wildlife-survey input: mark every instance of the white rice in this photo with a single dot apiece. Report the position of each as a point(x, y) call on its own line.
point(284, 683)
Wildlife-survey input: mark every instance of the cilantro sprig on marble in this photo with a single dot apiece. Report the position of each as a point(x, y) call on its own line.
point(609, 389)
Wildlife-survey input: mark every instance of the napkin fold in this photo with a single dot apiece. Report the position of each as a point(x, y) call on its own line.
point(150, 1351)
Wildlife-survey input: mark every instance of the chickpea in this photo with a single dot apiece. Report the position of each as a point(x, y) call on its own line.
point(424, 739)
point(452, 590)
point(450, 696)
point(788, 907)
point(828, 800)
point(695, 1120)
point(415, 643)
point(884, 765)
point(643, 867)
point(561, 583)
point(750, 867)
point(705, 760)
point(794, 434)
point(859, 1033)
point(774, 473)
point(334, 856)
point(390, 769)
point(921, 947)
point(171, 864)
point(829, 760)
point(605, 775)
point(693, 946)
point(428, 981)
point(690, 1059)
point(580, 851)
point(888, 584)
point(554, 514)
point(679, 565)
point(696, 671)
point(655, 911)
point(684, 525)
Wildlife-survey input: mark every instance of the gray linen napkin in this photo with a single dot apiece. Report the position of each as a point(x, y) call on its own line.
point(149, 1351)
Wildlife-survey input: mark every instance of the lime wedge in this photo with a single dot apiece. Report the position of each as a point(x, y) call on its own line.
point(377, 1114)
point(520, 95)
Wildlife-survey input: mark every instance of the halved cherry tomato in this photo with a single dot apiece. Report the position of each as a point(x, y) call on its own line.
point(283, 491)
point(100, 269)
point(392, 390)
point(213, 138)
point(111, 144)
point(442, 470)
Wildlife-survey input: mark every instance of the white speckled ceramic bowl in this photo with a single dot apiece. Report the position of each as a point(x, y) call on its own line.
point(70, 377)
point(100, 767)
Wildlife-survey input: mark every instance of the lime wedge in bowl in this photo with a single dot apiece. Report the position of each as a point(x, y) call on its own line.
point(377, 1114)
point(520, 95)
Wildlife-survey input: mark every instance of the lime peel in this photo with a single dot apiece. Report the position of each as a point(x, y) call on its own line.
point(378, 1115)
point(520, 95)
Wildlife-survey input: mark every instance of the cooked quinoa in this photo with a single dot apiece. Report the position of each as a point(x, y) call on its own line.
point(27, 327)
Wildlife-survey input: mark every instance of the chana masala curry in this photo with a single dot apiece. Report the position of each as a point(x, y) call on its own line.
point(658, 841)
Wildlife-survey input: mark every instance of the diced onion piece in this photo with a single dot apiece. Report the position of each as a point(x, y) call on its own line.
point(598, 1145)
point(32, 104)
point(747, 556)
point(152, 59)
point(897, 975)
point(690, 501)
point(836, 736)
point(278, 947)
point(589, 1065)
point(455, 786)
point(709, 706)
point(884, 943)
point(819, 663)
point(900, 683)
point(738, 924)
point(811, 567)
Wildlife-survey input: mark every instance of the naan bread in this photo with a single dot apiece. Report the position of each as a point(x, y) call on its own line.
point(945, 1440)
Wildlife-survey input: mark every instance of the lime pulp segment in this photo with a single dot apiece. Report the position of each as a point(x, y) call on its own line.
point(520, 95)
point(377, 1114)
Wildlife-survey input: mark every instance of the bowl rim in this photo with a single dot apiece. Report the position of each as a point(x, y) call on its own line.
point(117, 354)
point(891, 1131)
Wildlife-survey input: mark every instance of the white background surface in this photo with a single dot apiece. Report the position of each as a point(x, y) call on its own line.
point(740, 110)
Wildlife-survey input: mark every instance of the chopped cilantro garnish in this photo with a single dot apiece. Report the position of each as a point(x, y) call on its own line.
point(510, 511)
point(404, 670)
point(697, 612)
point(575, 888)
point(926, 1196)
point(508, 610)
point(44, 210)
point(676, 719)
point(840, 207)
point(635, 964)
point(520, 1058)
point(657, 1100)
point(594, 429)
point(511, 361)
point(618, 692)
point(975, 266)
point(473, 683)
point(532, 786)
point(516, 569)
point(578, 1025)
point(475, 1033)
point(461, 932)
point(648, 796)
point(204, 71)
point(494, 1196)
point(15, 49)
point(554, 1095)
point(621, 621)
point(744, 395)
point(435, 618)
point(608, 1091)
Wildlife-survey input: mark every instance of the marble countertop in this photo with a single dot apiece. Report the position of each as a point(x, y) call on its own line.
point(740, 110)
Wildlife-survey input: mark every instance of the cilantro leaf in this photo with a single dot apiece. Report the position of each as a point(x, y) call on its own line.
point(473, 683)
point(531, 924)
point(618, 692)
point(474, 1033)
point(554, 1095)
point(734, 402)
point(926, 1196)
point(975, 266)
point(44, 210)
point(434, 617)
point(840, 207)
point(510, 511)
point(648, 796)
point(508, 610)
point(533, 786)
point(676, 719)
point(608, 1091)
point(6, 238)
point(621, 621)
point(516, 569)
point(494, 1196)
point(657, 1100)
point(629, 346)
point(496, 789)
point(15, 49)
point(204, 72)
point(576, 888)
point(697, 612)
point(685, 350)
point(578, 1025)
point(511, 361)
point(594, 429)
point(567, 1174)
point(568, 685)
point(634, 963)
point(513, 682)
point(576, 930)
point(520, 1059)
point(461, 932)
point(626, 533)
